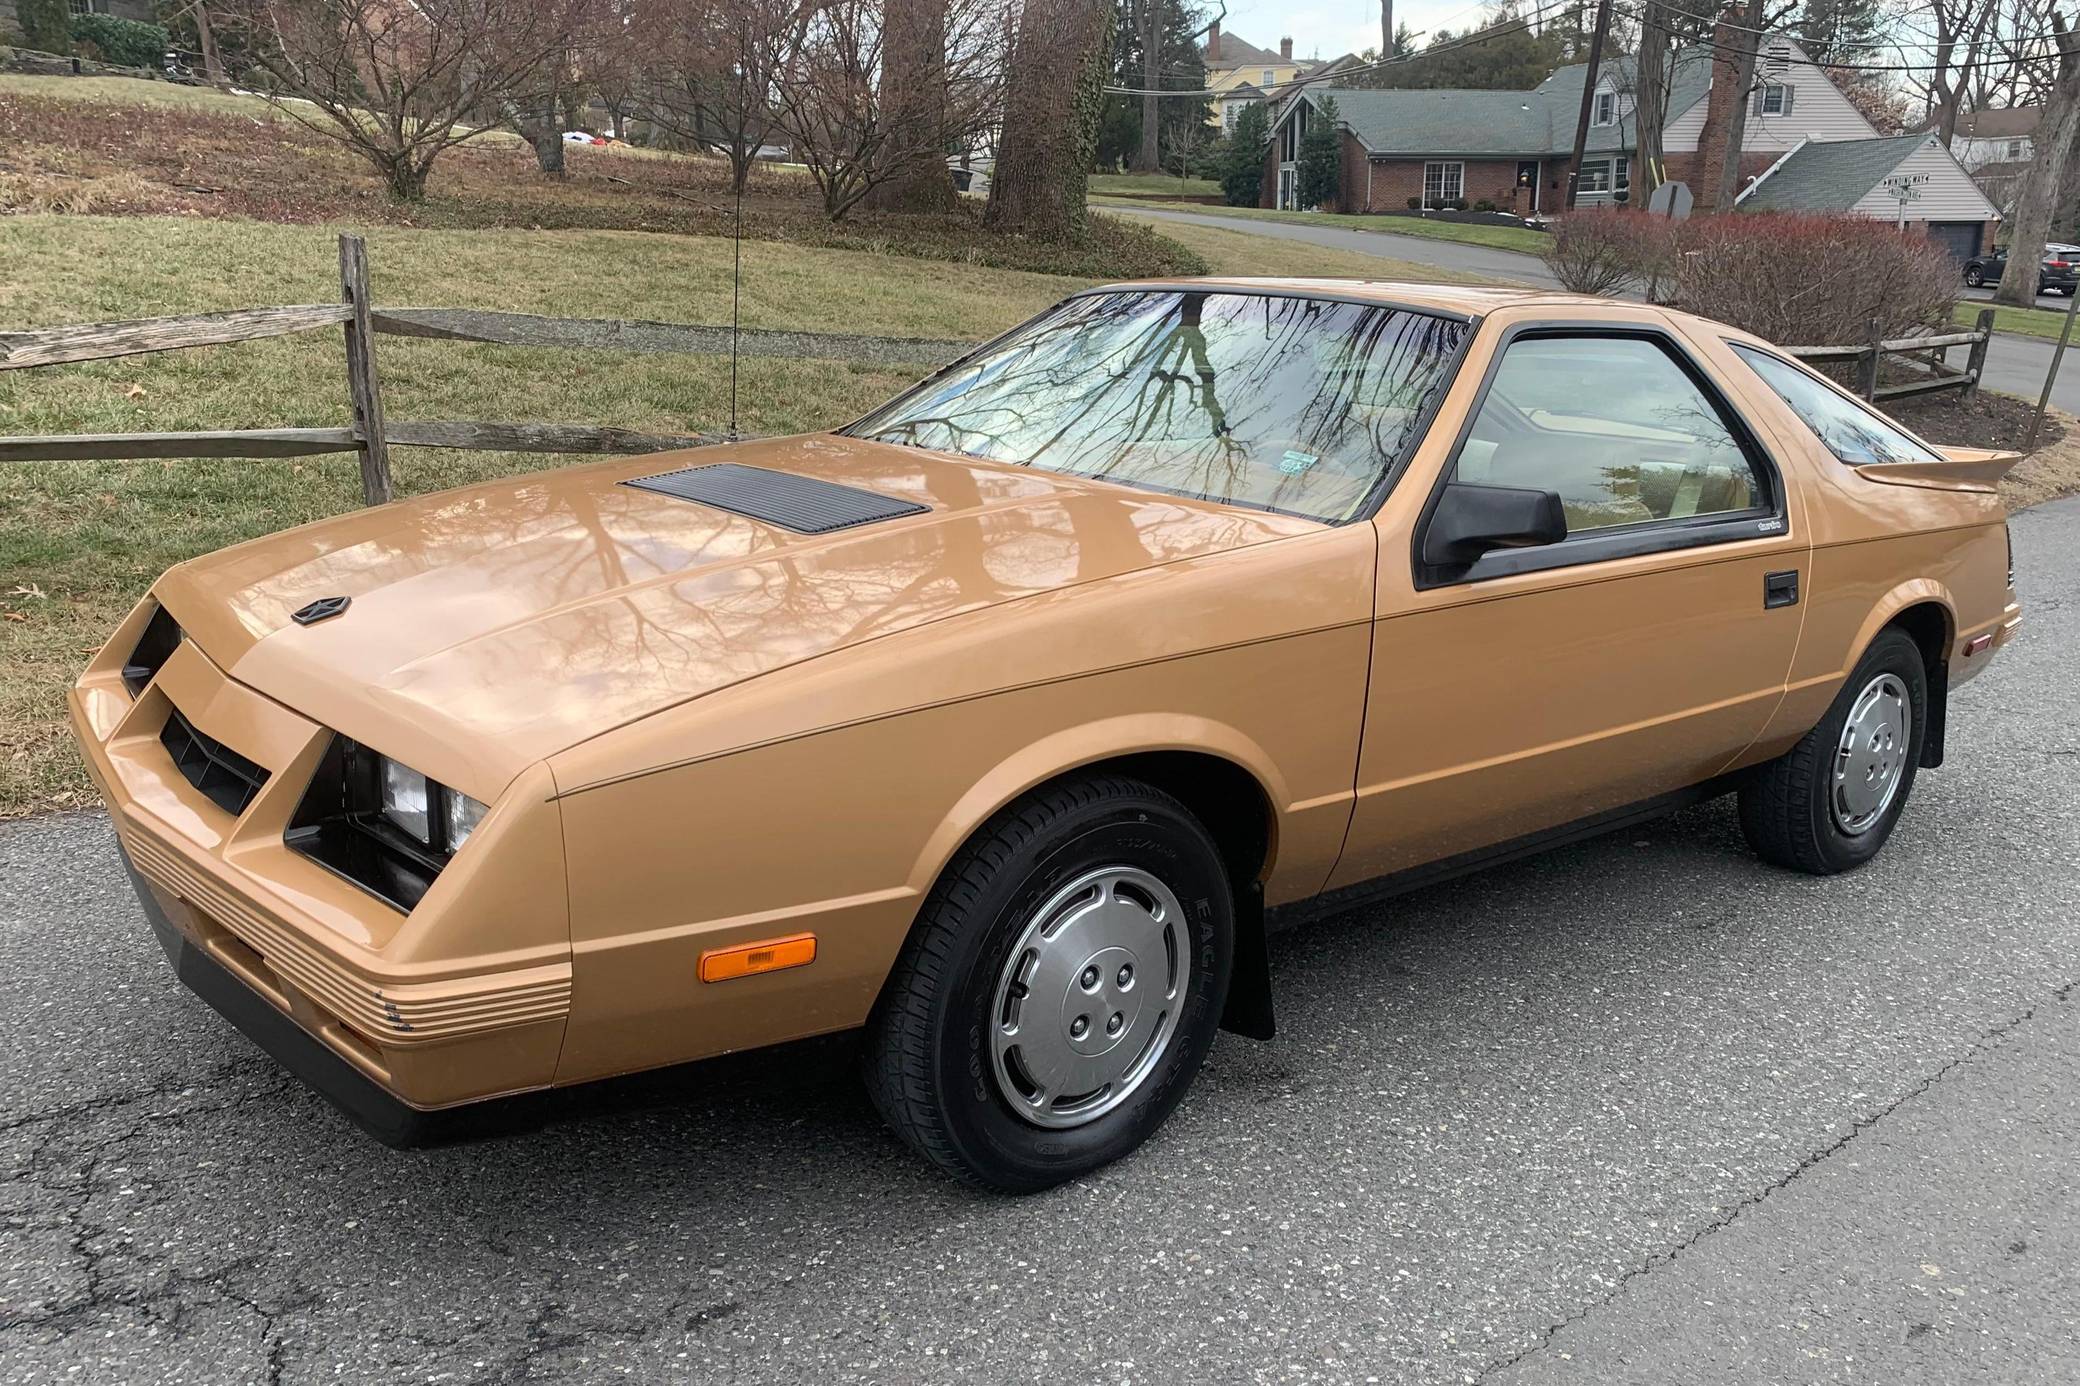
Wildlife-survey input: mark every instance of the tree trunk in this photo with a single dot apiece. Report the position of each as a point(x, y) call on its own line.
point(1148, 158)
point(1746, 42)
point(1052, 102)
point(2057, 130)
point(405, 179)
point(206, 39)
point(913, 102)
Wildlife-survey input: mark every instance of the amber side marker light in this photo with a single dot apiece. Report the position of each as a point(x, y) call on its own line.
point(774, 954)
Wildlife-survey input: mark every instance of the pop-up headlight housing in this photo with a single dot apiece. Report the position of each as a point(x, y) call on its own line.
point(381, 824)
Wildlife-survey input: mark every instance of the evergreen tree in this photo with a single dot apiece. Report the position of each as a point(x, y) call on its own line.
point(1838, 31)
point(1321, 164)
point(1242, 162)
point(1504, 56)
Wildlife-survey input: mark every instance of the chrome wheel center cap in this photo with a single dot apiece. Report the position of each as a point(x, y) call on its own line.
point(1102, 1003)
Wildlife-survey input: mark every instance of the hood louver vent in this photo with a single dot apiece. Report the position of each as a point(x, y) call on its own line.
point(800, 503)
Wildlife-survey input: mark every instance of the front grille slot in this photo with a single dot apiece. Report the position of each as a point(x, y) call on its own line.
point(226, 778)
point(161, 636)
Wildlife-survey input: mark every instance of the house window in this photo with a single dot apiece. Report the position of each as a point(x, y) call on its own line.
point(1776, 99)
point(1599, 176)
point(1270, 78)
point(1606, 108)
point(1296, 128)
point(1443, 183)
point(2014, 149)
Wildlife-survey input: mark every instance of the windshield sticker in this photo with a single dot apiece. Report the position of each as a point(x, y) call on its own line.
point(1294, 463)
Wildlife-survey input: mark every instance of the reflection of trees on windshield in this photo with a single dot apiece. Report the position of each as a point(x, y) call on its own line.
point(1287, 403)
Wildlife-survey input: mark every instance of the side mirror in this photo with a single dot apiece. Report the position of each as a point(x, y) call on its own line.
point(1470, 520)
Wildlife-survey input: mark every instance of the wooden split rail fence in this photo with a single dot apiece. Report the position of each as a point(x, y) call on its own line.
point(1921, 357)
point(371, 435)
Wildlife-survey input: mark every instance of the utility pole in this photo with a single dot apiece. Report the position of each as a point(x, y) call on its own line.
point(1581, 124)
point(1386, 29)
point(1149, 157)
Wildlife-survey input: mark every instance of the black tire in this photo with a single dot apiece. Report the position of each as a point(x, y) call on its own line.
point(1973, 277)
point(1786, 809)
point(927, 1060)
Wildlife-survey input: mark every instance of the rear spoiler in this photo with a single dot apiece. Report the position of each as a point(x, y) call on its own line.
point(1962, 469)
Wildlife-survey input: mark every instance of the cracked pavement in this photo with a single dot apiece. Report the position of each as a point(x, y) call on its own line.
point(1638, 1110)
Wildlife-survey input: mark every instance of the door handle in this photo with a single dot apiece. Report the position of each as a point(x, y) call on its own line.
point(1780, 589)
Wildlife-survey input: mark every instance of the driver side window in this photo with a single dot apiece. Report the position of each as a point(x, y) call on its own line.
point(1614, 426)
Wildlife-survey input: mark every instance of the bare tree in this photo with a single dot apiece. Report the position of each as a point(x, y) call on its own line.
point(830, 97)
point(2057, 131)
point(396, 82)
point(1961, 28)
point(1053, 98)
point(1650, 95)
point(713, 69)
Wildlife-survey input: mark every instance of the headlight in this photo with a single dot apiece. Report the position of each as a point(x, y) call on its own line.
point(380, 823)
point(407, 797)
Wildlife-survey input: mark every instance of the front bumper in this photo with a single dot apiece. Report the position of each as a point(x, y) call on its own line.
point(391, 1015)
point(372, 1107)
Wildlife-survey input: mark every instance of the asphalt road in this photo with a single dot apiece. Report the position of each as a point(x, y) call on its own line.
point(2015, 364)
point(1640, 1110)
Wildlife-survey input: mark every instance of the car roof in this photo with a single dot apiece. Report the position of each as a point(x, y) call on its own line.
point(1468, 300)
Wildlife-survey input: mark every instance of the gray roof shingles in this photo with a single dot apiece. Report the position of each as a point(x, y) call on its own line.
point(1425, 121)
point(1830, 177)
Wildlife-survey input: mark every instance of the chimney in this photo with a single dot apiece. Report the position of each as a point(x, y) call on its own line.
point(1213, 43)
point(1285, 50)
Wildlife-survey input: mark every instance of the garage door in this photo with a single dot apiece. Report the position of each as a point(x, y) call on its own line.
point(1960, 238)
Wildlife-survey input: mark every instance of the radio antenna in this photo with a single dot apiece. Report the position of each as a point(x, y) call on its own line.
point(736, 288)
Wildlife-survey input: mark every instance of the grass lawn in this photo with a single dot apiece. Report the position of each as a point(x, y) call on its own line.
point(1151, 185)
point(79, 542)
point(1500, 237)
point(2030, 322)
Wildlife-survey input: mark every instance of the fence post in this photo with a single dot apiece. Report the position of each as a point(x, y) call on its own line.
point(1975, 360)
point(365, 391)
point(1867, 366)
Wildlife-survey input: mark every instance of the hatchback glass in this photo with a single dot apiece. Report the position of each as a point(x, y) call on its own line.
point(1296, 405)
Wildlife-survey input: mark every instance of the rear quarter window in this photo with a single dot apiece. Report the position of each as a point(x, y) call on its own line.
point(1850, 430)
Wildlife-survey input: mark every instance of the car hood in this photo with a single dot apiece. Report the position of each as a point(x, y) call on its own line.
point(490, 627)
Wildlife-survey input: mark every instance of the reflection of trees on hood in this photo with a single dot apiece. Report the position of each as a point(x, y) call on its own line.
point(1255, 398)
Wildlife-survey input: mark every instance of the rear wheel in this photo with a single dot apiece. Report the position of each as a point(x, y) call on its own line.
point(1060, 988)
point(1829, 803)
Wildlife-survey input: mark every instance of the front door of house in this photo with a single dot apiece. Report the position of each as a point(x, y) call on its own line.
point(1285, 187)
point(1527, 178)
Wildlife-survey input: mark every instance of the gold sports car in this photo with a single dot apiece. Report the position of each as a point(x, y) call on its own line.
point(1003, 722)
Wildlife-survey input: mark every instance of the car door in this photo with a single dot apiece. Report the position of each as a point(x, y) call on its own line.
point(1538, 686)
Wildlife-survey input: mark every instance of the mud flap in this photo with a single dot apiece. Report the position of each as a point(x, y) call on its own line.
point(1248, 1011)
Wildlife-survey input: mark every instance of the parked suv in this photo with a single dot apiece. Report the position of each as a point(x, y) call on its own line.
point(2057, 274)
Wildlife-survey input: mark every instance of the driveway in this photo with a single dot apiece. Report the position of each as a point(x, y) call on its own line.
point(2014, 364)
point(1639, 1110)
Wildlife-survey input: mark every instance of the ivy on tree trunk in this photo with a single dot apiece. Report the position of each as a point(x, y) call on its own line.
point(1052, 103)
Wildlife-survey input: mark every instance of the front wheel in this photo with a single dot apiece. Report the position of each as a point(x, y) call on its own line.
point(1830, 802)
point(1973, 278)
point(1060, 989)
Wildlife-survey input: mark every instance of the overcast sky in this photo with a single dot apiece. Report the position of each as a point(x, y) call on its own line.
point(1323, 29)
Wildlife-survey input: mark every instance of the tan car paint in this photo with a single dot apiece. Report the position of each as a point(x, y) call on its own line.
point(700, 731)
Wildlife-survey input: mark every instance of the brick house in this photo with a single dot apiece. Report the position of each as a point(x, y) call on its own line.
point(1511, 148)
point(140, 10)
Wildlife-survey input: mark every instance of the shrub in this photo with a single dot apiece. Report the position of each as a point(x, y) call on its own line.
point(123, 42)
point(1458, 204)
point(1415, 204)
point(1595, 251)
point(46, 24)
point(1484, 205)
point(1814, 279)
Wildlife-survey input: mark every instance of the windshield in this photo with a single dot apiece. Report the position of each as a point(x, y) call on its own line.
point(1295, 405)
